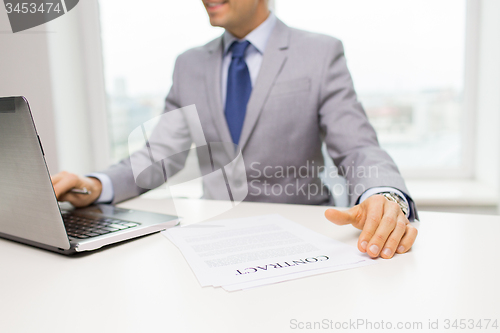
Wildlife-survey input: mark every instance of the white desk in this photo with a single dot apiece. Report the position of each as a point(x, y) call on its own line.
point(145, 285)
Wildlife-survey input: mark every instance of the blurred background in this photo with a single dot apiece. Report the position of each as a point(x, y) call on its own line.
point(427, 73)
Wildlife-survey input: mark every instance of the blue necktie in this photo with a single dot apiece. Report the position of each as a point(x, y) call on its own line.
point(239, 88)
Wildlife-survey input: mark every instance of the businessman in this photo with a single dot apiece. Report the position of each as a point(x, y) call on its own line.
point(277, 93)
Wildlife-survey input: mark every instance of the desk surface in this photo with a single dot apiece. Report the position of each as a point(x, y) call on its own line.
point(145, 285)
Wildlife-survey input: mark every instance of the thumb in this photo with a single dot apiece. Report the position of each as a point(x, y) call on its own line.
point(341, 217)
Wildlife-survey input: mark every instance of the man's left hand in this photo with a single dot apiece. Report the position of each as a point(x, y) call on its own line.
point(386, 230)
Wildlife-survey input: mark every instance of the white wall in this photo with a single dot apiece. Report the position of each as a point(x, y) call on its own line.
point(24, 70)
point(58, 67)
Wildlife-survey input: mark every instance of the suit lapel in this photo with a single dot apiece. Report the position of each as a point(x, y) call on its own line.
point(214, 95)
point(272, 62)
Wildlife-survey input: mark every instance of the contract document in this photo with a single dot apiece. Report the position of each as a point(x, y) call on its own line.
point(253, 251)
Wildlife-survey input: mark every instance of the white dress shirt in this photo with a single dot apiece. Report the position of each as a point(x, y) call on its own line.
point(258, 39)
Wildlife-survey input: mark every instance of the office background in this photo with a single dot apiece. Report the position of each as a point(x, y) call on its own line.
point(427, 72)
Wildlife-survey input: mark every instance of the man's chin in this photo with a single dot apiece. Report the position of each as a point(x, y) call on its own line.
point(217, 22)
point(219, 19)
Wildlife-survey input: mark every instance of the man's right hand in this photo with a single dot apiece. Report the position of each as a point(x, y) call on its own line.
point(64, 181)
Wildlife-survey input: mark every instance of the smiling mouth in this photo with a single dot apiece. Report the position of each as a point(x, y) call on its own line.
point(214, 5)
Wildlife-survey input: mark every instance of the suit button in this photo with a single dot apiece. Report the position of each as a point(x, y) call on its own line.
point(238, 183)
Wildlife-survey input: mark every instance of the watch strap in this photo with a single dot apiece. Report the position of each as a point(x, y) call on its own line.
point(394, 197)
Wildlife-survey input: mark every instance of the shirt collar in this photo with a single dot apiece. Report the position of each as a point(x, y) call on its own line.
point(258, 37)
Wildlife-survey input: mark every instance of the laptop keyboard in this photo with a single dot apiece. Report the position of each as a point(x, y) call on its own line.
point(86, 227)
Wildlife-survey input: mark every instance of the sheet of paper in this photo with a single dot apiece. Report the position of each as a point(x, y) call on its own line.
point(247, 252)
point(278, 279)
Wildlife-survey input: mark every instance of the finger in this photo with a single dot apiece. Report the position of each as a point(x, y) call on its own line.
point(395, 238)
point(408, 239)
point(374, 211)
point(69, 197)
point(57, 177)
point(341, 217)
point(77, 200)
point(65, 183)
point(386, 226)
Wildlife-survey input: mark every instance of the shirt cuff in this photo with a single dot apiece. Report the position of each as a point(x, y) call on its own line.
point(107, 193)
point(376, 190)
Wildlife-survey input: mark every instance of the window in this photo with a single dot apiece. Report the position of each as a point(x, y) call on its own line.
point(407, 63)
point(406, 59)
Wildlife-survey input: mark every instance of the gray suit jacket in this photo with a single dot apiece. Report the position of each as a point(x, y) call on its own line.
point(303, 96)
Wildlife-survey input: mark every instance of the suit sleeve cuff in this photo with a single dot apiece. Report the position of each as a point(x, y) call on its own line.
point(107, 193)
point(376, 190)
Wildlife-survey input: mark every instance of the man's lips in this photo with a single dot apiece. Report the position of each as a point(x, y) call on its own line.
point(215, 5)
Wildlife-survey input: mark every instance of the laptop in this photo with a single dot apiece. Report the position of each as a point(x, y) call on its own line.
point(29, 211)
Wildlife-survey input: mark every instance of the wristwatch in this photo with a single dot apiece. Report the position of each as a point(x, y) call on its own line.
point(392, 196)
